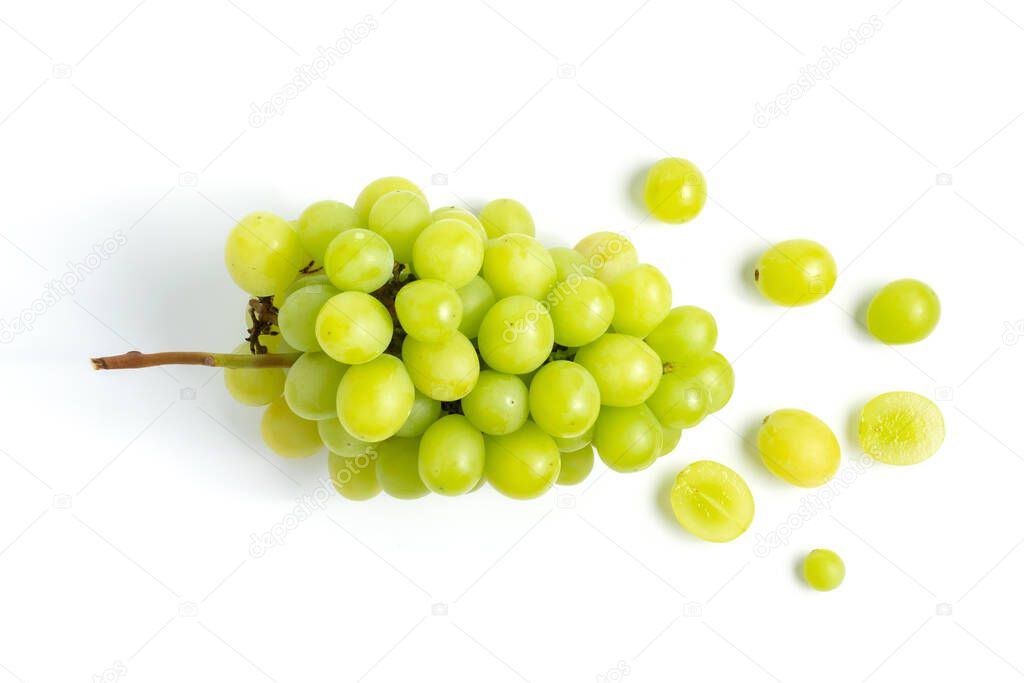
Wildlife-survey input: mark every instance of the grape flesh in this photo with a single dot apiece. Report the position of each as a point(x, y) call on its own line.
point(582, 309)
point(429, 310)
point(354, 477)
point(399, 217)
point(450, 250)
point(287, 434)
point(903, 312)
point(627, 371)
point(506, 216)
point(901, 428)
point(576, 466)
point(628, 439)
point(675, 190)
point(446, 370)
point(255, 386)
point(498, 404)
point(795, 272)
point(564, 399)
point(311, 389)
point(377, 189)
point(424, 413)
point(451, 456)
point(679, 402)
point(522, 464)
point(398, 469)
point(643, 298)
point(518, 264)
point(297, 315)
point(353, 327)
point(798, 448)
point(607, 254)
point(359, 260)
point(477, 298)
point(714, 373)
point(263, 254)
point(338, 440)
point(712, 501)
point(687, 332)
point(824, 570)
point(516, 335)
point(375, 398)
point(321, 222)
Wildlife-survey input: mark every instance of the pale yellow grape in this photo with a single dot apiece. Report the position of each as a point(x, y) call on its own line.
point(450, 250)
point(712, 502)
point(643, 298)
point(609, 254)
point(254, 386)
point(287, 434)
point(628, 439)
point(576, 466)
point(795, 272)
point(359, 260)
point(263, 254)
point(506, 216)
point(498, 404)
point(375, 398)
point(429, 310)
point(675, 190)
point(425, 411)
point(714, 372)
point(353, 327)
point(564, 399)
point(824, 570)
point(311, 389)
point(446, 370)
point(687, 332)
point(523, 464)
point(477, 298)
point(901, 428)
point(903, 312)
point(462, 215)
point(670, 439)
point(377, 189)
point(451, 456)
point(518, 264)
point(399, 217)
point(303, 280)
point(627, 371)
point(569, 263)
point(798, 448)
point(398, 468)
point(575, 443)
point(516, 335)
point(297, 315)
point(321, 222)
point(338, 440)
point(354, 477)
point(582, 309)
point(679, 402)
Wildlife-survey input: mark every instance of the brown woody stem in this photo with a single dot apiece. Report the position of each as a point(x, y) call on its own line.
point(135, 359)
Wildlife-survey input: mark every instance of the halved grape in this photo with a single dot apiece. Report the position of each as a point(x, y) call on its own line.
point(429, 310)
point(353, 327)
point(675, 190)
point(380, 187)
point(287, 434)
point(564, 399)
point(643, 298)
point(608, 254)
point(798, 447)
point(451, 456)
point(627, 371)
point(375, 398)
point(628, 439)
point(321, 222)
point(824, 570)
point(901, 428)
point(398, 469)
point(359, 260)
point(498, 404)
point(795, 272)
point(516, 335)
point(311, 389)
point(523, 464)
point(518, 264)
point(354, 477)
point(903, 312)
point(263, 254)
point(576, 466)
point(687, 332)
point(712, 501)
point(297, 315)
point(450, 250)
point(446, 370)
point(506, 216)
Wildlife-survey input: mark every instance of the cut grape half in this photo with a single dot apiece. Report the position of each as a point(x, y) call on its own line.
point(901, 428)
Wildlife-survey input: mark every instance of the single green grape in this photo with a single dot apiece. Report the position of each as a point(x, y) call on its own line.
point(375, 398)
point(798, 448)
point(824, 570)
point(518, 264)
point(516, 335)
point(607, 254)
point(321, 222)
point(338, 440)
point(901, 428)
point(353, 327)
point(522, 464)
point(398, 469)
point(498, 404)
point(297, 315)
point(670, 439)
point(576, 466)
point(564, 399)
point(628, 439)
point(377, 189)
point(795, 273)
point(581, 310)
point(477, 298)
point(354, 477)
point(569, 263)
point(903, 312)
point(263, 254)
point(446, 370)
point(679, 402)
point(429, 310)
point(462, 215)
point(627, 371)
point(287, 434)
point(687, 332)
point(254, 386)
point(359, 260)
point(712, 502)
point(303, 280)
point(714, 372)
point(450, 250)
point(425, 412)
point(675, 190)
point(576, 442)
point(451, 456)
point(643, 298)
point(311, 389)
point(399, 217)
point(506, 216)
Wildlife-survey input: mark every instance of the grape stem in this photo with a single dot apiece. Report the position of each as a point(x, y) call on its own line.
point(136, 359)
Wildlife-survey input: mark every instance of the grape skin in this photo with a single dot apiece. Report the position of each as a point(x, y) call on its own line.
point(287, 434)
point(903, 312)
point(338, 440)
point(670, 439)
point(675, 190)
point(518, 264)
point(795, 272)
point(628, 439)
point(643, 298)
point(607, 254)
point(451, 456)
point(354, 477)
point(449, 250)
point(359, 260)
point(823, 570)
point(627, 371)
point(398, 468)
point(569, 263)
point(506, 216)
point(679, 402)
point(523, 464)
point(687, 332)
point(255, 386)
point(564, 399)
point(582, 309)
point(477, 298)
point(353, 328)
point(798, 448)
point(516, 335)
point(263, 254)
point(321, 222)
point(576, 466)
point(424, 413)
point(714, 373)
point(399, 217)
point(375, 398)
point(311, 389)
point(498, 404)
point(446, 370)
point(297, 315)
point(462, 215)
point(429, 310)
point(712, 502)
point(377, 189)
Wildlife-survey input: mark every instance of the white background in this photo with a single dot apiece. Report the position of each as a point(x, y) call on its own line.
point(130, 500)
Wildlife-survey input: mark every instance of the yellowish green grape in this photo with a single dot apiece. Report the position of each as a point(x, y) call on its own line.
point(354, 477)
point(338, 440)
point(425, 412)
point(795, 273)
point(446, 370)
point(903, 312)
point(582, 309)
point(375, 398)
point(498, 404)
point(297, 315)
point(712, 501)
point(628, 439)
point(574, 443)
point(798, 447)
point(254, 386)
point(679, 402)
point(670, 439)
point(359, 260)
point(287, 434)
point(506, 216)
point(477, 298)
point(569, 263)
point(901, 428)
point(451, 458)
point(321, 222)
point(429, 310)
point(643, 298)
point(263, 254)
point(398, 469)
point(353, 327)
point(450, 250)
point(609, 254)
point(687, 332)
point(311, 389)
point(516, 335)
point(518, 264)
point(714, 373)
point(377, 189)
point(303, 280)
point(462, 215)
point(824, 570)
point(400, 217)
point(576, 466)
point(627, 371)
point(564, 399)
point(523, 464)
point(675, 190)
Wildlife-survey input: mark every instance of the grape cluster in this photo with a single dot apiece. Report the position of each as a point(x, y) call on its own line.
point(442, 349)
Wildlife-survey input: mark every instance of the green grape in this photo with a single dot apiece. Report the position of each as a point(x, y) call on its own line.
point(628, 439)
point(303, 280)
point(462, 215)
point(451, 456)
point(564, 399)
point(903, 312)
point(359, 260)
point(522, 464)
point(425, 412)
point(254, 386)
point(687, 332)
point(375, 398)
point(297, 315)
point(398, 468)
point(322, 222)
point(569, 263)
point(627, 371)
point(607, 254)
point(477, 298)
point(574, 443)
point(444, 370)
point(582, 309)
point(429, 310)
point(287, 434)
point(824, 570)
point(506, 216)
point(901, 428)
point(516, 335)
point(670, 439)
point(643, 298)
point(311, 389)
point(675, 190)
point(450, 250)
point(338, 440)
point(798, 448)
point(712, 502)
point(714, 372)
point(795, 273)
point(679, 402)
point(400, 217)
point(263, 254)
point(355, 477)
point(377, 189)
point(518, 264)
point(576, 465)
point(498, 404)
point(353, 327)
